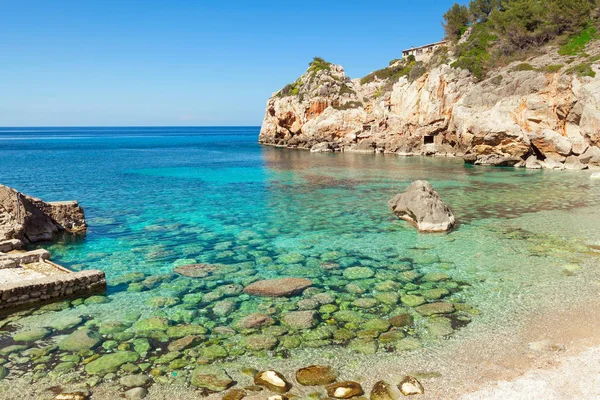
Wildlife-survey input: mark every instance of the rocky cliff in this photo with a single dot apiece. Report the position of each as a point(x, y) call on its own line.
point(542, 113)
point(30, 220)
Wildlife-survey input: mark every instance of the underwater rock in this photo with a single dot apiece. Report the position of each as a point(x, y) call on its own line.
point(223, 308)
point(382, 391)
point(137, 393)
point(184, 343)
point(272, 380)
point(110, 362)
point(31, 335)
point(3, 372)
point(196, 270)
point(279, 287)
point(354, 273)
point(423, 206)
point(315, 375)
point(299, 319)
point(412, 300)
point(410, 386)
point(180, 331)
point(63, 323)
point(82, 339)
point(211, 377)
point(345, 390)
point(260, 342)
point(364, 346)
point(435, 308)
point(401, 320)
point(130, 381)
point(151, 324)
point(254, 320)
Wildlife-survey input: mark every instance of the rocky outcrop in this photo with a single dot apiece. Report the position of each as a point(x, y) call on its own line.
point(32, 220)
point(515, 114)
point(423, 206)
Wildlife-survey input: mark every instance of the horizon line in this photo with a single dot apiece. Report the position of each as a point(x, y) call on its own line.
point(129, 126)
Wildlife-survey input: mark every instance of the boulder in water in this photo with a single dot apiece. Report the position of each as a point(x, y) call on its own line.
point(423, 206)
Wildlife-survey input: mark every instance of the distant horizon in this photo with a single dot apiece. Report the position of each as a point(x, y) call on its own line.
point(129, 126)
point(187, 64)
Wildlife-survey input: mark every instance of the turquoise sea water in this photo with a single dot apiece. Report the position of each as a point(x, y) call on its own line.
point(158, 198)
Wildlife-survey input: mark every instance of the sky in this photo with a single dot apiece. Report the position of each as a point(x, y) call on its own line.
point(187, 62)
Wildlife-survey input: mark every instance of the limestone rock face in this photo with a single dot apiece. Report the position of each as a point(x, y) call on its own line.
point(503, 120)
point(32, 220)
point(423, 206)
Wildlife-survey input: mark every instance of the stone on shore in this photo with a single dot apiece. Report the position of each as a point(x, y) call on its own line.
point(382, 391)
point(315, 375)
point(410, 386)
point(345, 390)
point(279, 287)
point(423, 206)
point(323, 147)
point(212, 378)
point(273, 381)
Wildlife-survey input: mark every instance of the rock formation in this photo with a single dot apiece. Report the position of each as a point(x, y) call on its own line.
point(533, 117)
point(423, 206)
point(32, 220)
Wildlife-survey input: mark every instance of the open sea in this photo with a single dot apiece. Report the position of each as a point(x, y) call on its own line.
point(158, 198)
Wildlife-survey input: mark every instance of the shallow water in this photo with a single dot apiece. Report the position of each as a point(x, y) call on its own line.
point(158, 198)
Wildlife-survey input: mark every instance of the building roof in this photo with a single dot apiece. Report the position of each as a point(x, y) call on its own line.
point(425, 46)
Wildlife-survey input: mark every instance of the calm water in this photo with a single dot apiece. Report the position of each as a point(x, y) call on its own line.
point(158, 198)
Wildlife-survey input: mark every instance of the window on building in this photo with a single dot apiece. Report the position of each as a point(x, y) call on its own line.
point(427, 139)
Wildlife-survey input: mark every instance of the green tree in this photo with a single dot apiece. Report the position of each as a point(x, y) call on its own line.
point(522, 22)
point(455, 21)
point(569, 15)
point(481, 9)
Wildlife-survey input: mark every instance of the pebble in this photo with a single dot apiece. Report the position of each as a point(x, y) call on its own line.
point(345, 390)
point(272, 380)
point(410, 386)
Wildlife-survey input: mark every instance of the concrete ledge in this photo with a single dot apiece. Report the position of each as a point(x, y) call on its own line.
point(53, 288)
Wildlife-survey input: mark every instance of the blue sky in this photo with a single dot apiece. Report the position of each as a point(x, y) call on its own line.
point(185, 62)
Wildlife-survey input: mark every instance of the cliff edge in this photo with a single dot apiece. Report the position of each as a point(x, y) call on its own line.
point(542, 113)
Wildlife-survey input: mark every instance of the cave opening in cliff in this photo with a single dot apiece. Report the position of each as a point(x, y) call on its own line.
point(428, 139)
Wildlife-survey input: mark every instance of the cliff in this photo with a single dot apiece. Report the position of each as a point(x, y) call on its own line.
point(542, 113)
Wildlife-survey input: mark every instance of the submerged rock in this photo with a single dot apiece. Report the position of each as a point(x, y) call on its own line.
point(110, 362)
point(254, 320)
point(196, 270)
point(315, 375)
point(300, 319)
point(272, 380)
point(31, 335)
point(279, 287)
point(423, 206)
point(410, 386)
point(211, 377)
point(435, 308)
point(82, 339)
point(345, 390)
point(234, 394)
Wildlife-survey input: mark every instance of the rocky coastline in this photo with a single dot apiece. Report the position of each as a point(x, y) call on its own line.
point(533, 114)
point(29, 277)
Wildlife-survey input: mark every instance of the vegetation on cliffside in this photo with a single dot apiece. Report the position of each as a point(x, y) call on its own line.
point(505, 30)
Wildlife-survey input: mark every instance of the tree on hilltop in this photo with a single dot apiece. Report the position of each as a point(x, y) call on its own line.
point(456, 20)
